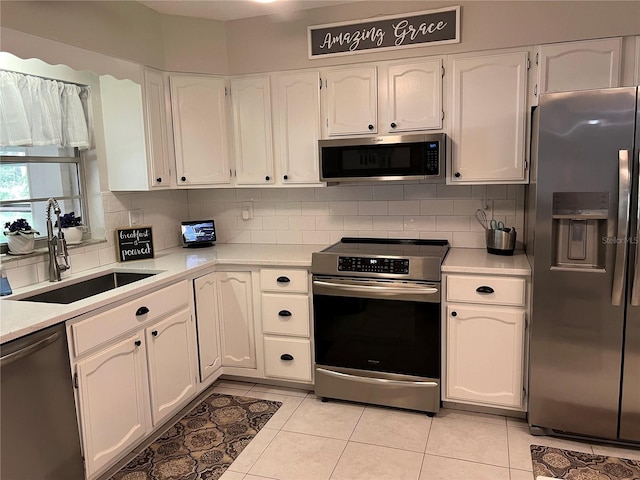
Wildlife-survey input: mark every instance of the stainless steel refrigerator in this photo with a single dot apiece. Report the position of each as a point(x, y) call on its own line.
point(583, 218)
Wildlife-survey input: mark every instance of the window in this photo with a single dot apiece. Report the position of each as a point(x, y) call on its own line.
point(29, 176)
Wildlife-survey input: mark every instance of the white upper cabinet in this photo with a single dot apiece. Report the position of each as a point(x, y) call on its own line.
point(578, 65)
point(488, 120)
point(251, 100)
point(159, 151)
point(414, 96)
point(297, 127)
point(199, 113)
point(351, 101)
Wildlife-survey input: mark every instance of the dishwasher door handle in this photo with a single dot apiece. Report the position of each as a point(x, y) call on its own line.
point(28, 350)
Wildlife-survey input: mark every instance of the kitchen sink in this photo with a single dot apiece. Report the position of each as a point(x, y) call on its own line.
point(86, 287)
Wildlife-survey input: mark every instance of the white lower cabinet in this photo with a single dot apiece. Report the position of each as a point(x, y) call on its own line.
point(484, 323)
point(134, 367)
point(208, 327)
point(287, 358)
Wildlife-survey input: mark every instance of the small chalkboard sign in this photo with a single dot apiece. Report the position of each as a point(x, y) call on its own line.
point(134, 243)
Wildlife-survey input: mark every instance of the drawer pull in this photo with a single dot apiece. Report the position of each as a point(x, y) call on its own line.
point(284, 313)
point(154, 333)
point(137, 343)
point(454, 314)
point(286, 356)
point(283, 280)
point(142, 311)
point(484, 289)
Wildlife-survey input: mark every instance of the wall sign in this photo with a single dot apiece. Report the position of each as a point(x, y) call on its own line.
point(385, 33)
point(134, 243)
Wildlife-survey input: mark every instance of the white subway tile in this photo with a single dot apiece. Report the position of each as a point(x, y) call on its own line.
point(504, 207)
point(479, 191)
point(327, 194)
point(402, 234)
point(372, 234)
point(343, 208)
point(263, 236)
point(43, 271)
point(23, 261)
point(240, 236)
point(405, 207)
point(466, 207)
point(420, 223)
point(249, 194)
point(274, 195)
point(200, 195)
point(452, 224)
point(388, 222)
point(420, 191)
point(338, 235)
point(226, 223)
point(275, 223)
point(300, 194)
point(469, 240)
point(358, 222)
point(454, 191)
point(288, 208)
point(388, 192)
point(85, 261)
point(356, 192)
point(315, 208)
point(316, 237)
point(264, 209)
point(302, 223)
point(289, 237)
point(254, 223)
point(437, 236)
point(232, 209)
point(223, 195)
point(22, 276)
point(373, 208)
point(497, 192)
point(335, 222)
point(436, 207)
point(107, 256)
point(117, 202)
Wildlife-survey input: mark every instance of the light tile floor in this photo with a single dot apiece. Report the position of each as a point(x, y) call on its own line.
point(311, 440)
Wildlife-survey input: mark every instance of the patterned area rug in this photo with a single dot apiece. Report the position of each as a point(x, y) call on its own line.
point(569, 465)
point(202, 444)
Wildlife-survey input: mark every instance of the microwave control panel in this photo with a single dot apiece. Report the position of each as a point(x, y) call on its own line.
point(373, 265)
point(432, 159)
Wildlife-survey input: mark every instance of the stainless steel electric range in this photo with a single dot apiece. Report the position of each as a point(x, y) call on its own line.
point(376, 305)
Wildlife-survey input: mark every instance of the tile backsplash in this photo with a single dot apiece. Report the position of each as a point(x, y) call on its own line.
point(319, 215)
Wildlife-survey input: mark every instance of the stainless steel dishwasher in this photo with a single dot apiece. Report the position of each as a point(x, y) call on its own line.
point(38, 425)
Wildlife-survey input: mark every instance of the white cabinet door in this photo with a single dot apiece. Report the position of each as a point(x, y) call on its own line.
point(198, 107)
point(172, 376)
point(414, 96)
point(208, 329)
point(156, 120)
point(579, 65)
point(251, 100)
point(485, 351)
point(488, 118)
point(113, 395)
point(235, 294)
point(298, 127)
point(351, 101)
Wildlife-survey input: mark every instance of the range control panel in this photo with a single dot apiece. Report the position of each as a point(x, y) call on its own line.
point(373, 265)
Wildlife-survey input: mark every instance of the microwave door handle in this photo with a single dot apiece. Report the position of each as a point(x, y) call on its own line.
point(635, 286)
point(624, 191)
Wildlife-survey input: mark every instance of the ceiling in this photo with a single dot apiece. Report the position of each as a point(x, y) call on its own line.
point(224, 10)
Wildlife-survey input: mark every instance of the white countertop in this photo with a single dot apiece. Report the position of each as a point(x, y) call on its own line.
point(21, 318)
point(478, 260)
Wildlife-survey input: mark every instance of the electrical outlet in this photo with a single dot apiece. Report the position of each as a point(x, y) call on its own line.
point(136, 217)
point(247, 210)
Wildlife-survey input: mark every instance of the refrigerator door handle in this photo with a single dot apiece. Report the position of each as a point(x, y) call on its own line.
point(624, 192)
point(635, 286)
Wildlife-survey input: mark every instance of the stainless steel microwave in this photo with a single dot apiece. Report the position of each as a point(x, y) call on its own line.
point(394, 157)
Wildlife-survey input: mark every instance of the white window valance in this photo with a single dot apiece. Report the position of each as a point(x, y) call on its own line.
point(37, 111)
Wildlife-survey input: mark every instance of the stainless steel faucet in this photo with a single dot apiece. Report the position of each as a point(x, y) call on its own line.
point(56, 244)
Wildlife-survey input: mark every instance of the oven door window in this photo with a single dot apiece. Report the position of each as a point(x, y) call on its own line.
point(378, 334)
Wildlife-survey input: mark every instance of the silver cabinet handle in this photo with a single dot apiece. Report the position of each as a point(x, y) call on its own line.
point(635, 286)
point(624, 181)
point(28, 350)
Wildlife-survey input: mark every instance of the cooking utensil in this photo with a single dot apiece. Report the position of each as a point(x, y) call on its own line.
point(496, 225)
point(481, 218)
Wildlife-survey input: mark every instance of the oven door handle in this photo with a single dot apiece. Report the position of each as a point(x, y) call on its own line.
point(375, 381)
point(378, 288)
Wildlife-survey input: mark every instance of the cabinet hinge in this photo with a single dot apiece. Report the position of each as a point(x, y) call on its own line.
point(528, 64)
point(442, 70)
point(537, 56)
point(75, 380)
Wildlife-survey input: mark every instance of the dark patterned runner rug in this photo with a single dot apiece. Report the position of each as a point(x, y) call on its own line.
point(202, 444)
point(570, 465)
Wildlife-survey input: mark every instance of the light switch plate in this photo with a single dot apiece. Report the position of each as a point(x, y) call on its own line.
point(136, 217)
point(247, 210)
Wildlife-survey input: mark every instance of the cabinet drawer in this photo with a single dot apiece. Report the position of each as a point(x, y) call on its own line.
point(91, 332)
point(285, 314)
point(486, 289)
point(298, 368)
point(283, 280)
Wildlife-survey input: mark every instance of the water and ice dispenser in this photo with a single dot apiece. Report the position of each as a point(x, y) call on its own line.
point(579, 230)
